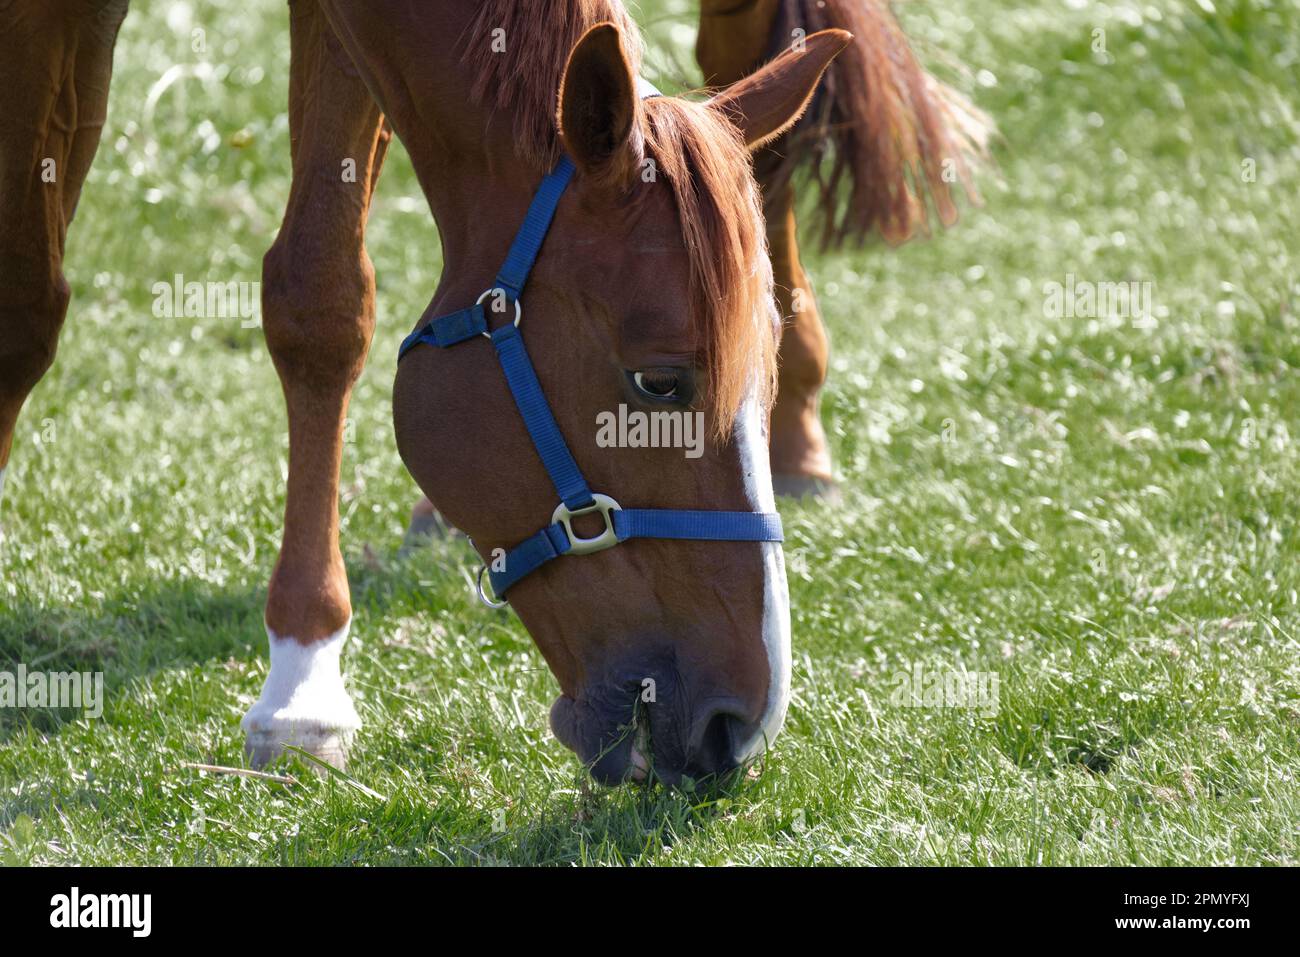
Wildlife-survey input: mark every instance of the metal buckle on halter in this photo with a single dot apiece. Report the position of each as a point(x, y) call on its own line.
point(490, 601)
point(585, 546)
point(519, 310)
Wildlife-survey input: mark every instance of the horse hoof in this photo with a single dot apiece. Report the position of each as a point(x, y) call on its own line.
point(822, 490)
point(423, 531)
point(303, 704)
point(263, 748)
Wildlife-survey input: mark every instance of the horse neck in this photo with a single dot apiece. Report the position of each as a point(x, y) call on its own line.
point(478, 199)
point(464, 153)
point(478, 186)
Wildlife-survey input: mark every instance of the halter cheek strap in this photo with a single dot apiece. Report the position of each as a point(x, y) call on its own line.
point(576, 498)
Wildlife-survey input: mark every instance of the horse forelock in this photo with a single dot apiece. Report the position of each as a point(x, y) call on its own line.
point(705, 161)
point(697, 151)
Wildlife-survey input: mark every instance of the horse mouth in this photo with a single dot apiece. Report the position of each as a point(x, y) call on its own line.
point(640, 764)
point(564, 722)
point(613, 751)
point(623, 747)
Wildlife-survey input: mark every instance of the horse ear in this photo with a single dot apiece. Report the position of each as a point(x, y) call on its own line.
point(598, 104)
point(768, 102)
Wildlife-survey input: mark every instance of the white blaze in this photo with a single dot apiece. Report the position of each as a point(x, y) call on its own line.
point(751, 439)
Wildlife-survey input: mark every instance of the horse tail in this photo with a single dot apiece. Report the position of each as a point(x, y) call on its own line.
point(882, 135)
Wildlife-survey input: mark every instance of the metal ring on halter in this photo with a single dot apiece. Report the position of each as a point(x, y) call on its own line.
point(482, 592)
point(519, 310)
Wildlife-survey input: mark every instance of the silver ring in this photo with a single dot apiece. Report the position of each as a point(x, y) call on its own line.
point(519, 310)
point(482, 592)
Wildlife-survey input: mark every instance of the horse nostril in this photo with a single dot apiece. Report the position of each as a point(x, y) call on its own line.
point(716, 751)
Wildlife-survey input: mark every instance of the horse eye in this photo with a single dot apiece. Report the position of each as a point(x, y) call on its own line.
point(657, 383)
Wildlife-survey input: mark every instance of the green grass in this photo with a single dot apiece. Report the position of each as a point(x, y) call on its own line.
point(1102, 514)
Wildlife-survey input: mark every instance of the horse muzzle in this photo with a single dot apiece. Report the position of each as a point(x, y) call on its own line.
point(647, 725)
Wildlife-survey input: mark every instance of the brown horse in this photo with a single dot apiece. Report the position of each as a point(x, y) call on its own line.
point(654, 287)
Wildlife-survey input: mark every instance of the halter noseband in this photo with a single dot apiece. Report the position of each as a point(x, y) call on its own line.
point(621, 524)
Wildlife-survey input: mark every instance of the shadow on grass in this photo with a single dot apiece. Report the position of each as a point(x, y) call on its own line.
point(579, 825)
point(167, 623)
point(618, 827)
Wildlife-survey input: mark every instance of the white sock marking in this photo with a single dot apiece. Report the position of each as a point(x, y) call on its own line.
point(303, 701)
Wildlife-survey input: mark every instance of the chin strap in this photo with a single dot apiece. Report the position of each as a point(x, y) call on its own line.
point(576, 497)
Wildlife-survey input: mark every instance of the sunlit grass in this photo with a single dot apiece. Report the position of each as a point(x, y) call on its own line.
point(1101, 512)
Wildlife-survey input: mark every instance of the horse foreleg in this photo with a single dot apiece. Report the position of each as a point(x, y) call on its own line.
point(55, 65)
point(318, 312)
point(735, 39)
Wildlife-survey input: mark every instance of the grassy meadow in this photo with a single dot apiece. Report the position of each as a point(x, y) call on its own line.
point(1099, 510)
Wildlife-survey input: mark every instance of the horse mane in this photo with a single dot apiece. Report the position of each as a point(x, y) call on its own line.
point(695, 149)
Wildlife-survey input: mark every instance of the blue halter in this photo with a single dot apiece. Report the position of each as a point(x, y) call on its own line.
point(576, 498)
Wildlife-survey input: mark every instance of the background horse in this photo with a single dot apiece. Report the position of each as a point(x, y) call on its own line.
point(703, 618)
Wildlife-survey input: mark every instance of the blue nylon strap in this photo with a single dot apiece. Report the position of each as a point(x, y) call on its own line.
point(528, 556)
point(536, 411)
point(704, 526)
point(553, 541)
point(455, 327)
point(447, 330)
point(531, 235)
